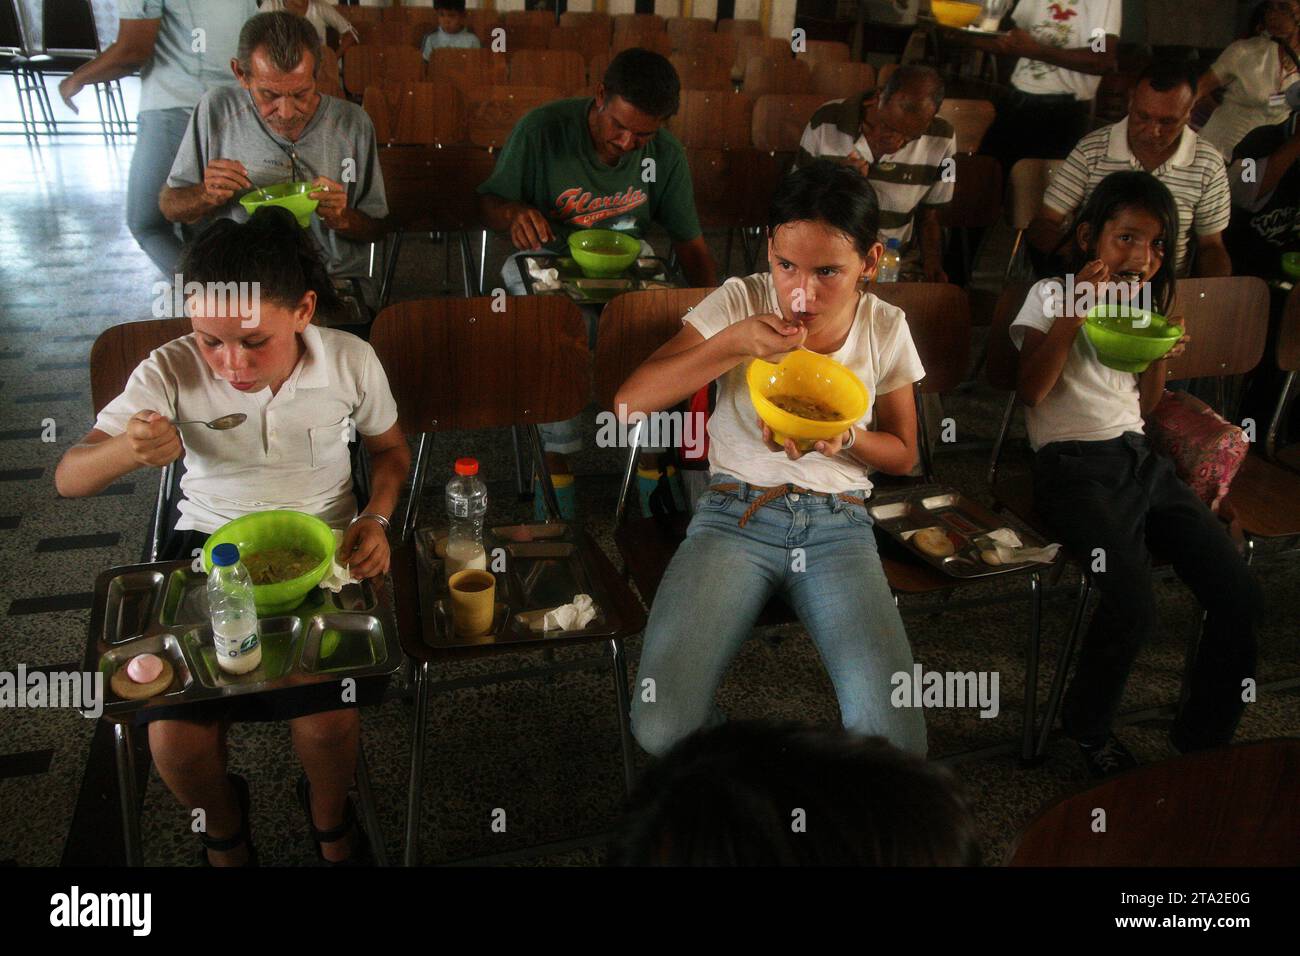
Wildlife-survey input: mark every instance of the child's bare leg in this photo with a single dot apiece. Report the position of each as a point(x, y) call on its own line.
point(327, 746)
point(191, 759)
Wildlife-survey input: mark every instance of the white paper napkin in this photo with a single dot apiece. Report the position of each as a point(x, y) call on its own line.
point(544, 280)
point(338, 576)
point(1011, 550)
point(570, 617)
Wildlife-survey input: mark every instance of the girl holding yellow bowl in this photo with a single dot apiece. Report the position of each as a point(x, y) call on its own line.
point(775, 519)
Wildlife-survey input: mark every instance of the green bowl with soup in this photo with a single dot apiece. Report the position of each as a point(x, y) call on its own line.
point(287, 553)
point(603, 253)
point(295, 197)
point(1129, 339)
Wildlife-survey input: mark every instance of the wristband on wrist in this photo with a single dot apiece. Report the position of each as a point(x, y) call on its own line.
point(370, 514)
point(853, 438)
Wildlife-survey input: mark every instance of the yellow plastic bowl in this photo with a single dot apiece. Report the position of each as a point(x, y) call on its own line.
point(806, 374)
point(953, 13)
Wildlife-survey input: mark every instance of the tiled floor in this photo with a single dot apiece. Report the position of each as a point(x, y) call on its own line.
point(545, 749)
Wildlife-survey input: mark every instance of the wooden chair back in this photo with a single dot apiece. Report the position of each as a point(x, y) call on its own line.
point(970, 120)
point(700, 72)
point(660, 43)
point(720, 46)
point(433, 188)
point(119, 349)
point(469, 70)
point(481, 23)
point(1003, 362)
point(681, 29)
point(528, 29)
point(492, 112)
point(938, 316)
point(824, 51)
point(1028, 183)
point(1227, 321)
point(770, 49)
point(632, 327)
point(639, 23)
point(714, 175)
point(744, 28)
point(712, 119)
point(456, 364)
point(600, 24)
point(841, 81)
point(977, 193)
point(365, 65)
point(561, 69)
point(417, 114)
point(780, 119)
point(786, 76)
point(327, 77)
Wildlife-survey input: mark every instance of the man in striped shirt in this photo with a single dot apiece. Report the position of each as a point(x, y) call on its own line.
point(894, 138)
point(1153, 137)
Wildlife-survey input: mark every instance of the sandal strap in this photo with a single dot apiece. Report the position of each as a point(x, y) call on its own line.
point(340, 831)
point(221, 846)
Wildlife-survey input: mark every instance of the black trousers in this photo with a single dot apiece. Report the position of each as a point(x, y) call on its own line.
point(1029, 126)
point(1123, 498)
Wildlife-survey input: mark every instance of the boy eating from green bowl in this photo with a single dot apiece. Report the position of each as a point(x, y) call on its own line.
point(303, 390)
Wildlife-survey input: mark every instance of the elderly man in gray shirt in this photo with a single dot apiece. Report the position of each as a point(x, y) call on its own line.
point(276, 127)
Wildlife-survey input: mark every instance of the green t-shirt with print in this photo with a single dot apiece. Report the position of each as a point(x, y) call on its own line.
point(550, 163)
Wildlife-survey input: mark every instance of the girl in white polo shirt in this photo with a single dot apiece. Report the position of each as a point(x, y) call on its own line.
point(775, 520)
point(1104, 491)
point(300, 386)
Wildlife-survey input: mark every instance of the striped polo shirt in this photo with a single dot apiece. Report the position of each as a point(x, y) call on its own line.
point(1194, 174)
point(911, 177)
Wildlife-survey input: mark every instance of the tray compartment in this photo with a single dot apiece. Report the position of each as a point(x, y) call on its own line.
point(187, 599)
point(279, 636)
point(133, 598)
point(166, 646)
point(445, 632)
point(342, 642)
point(358, 596)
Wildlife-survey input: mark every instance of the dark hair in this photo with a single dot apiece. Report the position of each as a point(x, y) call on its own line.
point(1165, 75)
point(286, 36)
point(270, 249)
point(646, 80)
point(915, 78)
point(727, 796)
point(1131, 189)
point(829, 192)
point(455, 6)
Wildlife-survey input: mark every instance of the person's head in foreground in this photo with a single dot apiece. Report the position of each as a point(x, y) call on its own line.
point(821, 245)
point(1279, 19)
point(1160, 106)
point(451, 15)
point(639, 93)
point(258, 348)
point(1123, 234)
point(277, 62)
point(769, 794)
point(903, 109)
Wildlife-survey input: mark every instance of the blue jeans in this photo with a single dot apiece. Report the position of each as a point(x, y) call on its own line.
point(720, 579)
point(157, 141)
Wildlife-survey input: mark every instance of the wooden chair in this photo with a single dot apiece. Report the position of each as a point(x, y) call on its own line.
point(660, 43)
point(470, 70)
point(841, 81)
point(1288, 360)
point(713, 120)
point(394, 13)
point(723, 207)
point(699, 72)
point(1028, 183)
point(328, 80)
point(433, 189)
point(365, 65)
point(521, 367)
point(639, 23)
point(587, 42)
point(744, 28)
point(824, 51)
point(481, 23)
point(416, 114)
point(719, 46)
point(493, 111)
point(767, 49)
point(563, 70)
point(393, 33)
point(360, 16)
point(681, 29)
point(976, 200)
point(528, 29)
point(596, 68)
point(970, 120)
point(602, 24)
point(780, 119)
point(786, 76)
point(1229, 807)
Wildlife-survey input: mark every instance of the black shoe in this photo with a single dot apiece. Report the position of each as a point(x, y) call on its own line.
point(245, 834)
point(360, 844)
point(1106, 759)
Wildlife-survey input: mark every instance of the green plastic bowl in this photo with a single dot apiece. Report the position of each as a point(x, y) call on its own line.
point(1291, 264)
point(277, 529)
point(1124, 338)
point(295, 197)
point(603, 253)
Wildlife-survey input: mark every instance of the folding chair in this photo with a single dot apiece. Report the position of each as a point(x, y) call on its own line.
point(840, 81)
point(749, 48)
point(113, 357)
point(328, 80)
point(1228, 807)
point(970, 120)
point(780, 119)
point(713, 120)
point(416, 114)
point(1028, 183)
point(721, 206)
point(70, 39)
point(367, 65)
point(523, 367)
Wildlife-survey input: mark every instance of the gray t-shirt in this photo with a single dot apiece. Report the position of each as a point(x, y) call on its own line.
point(197, 39)
point(338, 143)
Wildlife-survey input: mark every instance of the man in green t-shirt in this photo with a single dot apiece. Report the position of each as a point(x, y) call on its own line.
point(606, 162)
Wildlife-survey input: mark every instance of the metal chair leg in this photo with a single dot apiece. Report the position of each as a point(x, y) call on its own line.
point(369, 816)
point(1031, 667)
point(415, 791)
point(160, 512)
point(543, 472)
point(1063, 665)
point(467, 265)
point(523, 472)
point(390, 269)
point(417, 484)
point(619, 662)
point(126, 794)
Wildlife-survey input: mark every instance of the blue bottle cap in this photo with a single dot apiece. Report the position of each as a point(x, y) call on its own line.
point(224, 555)
point(894, 243)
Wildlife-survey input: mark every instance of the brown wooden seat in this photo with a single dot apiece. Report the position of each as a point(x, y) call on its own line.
point(785, 76)
point(770, 49)
point(780, 119)
point(492, 112)
point(1025, 189)
point(587, 42)
point(469, 70)
point(841, 81)
point(713, 120)
point(698, 71)
point(744, 28)
point(482, 22)
point(1233, 806)
point(720, 46)
point(393, 33)
point(660, 43)
point(976, 201)
point(328, 80)
point(596, 67)
point(824, 51)
point(681, 29)
point(970, 120)
point(528, 29)
point(639, 23)
point(721, 206)
point(564, 70)
point(425, 114)
point(365, 65)
point(362, 15)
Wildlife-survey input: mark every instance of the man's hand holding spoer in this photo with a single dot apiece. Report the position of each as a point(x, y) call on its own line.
point(154, 440)
point(331, 202)
point(529, 229)
point(222, 178)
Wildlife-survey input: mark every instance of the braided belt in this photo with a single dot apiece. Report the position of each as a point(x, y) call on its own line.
point(771, 494)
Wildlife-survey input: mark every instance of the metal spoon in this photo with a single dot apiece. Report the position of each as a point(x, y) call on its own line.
point(220, 424)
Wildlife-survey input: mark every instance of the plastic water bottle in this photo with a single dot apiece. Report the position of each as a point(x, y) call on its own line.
point(234, 615)
point(887, 270)
point(466, 507)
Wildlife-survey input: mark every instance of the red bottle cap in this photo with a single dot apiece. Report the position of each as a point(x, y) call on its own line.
point(467, 466)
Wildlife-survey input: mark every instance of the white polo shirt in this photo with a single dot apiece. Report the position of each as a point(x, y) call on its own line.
point(292, 452)
point(1194, 174)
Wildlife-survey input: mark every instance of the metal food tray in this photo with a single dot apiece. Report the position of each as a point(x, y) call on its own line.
point(163, 609)
point(965, 522)
point(646, 272)
point(540, 575)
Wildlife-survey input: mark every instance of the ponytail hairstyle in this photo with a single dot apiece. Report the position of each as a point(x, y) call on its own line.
point(1130, 189)
point(269, 249)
